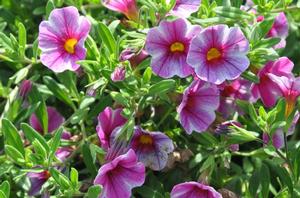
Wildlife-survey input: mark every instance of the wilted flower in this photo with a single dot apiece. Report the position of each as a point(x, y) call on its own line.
point(197, 109)
point(194, 190)
point(25, 88)
point(120, 176)
point(290, 89)
point(168, 44)
point(152, 148)
point(224, 128)
point(219, 53)
point(37, 180)
point(118, 74)
point(108, 120)
point(61, 39)
point(127, 7)
point(134, 58)
point(267, 89)
point(184, 8)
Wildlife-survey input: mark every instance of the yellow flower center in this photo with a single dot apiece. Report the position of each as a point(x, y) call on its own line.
point(213, 54)
point(177, 47)
point(70, 45)
point(146, 139)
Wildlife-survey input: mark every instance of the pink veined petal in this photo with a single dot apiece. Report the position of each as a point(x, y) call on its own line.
point(282, 66)
point(49, 40)
point(269, 92)
point(174, 30)
point(283, 82)
point(194, 190)
point(184, 8)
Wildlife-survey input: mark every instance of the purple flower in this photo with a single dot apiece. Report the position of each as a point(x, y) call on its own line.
point(219, 53)
point(127, 7)
point(54, 120)
point(280, 29)
point(108, 120)
point(198, 105)
point(118, 74)
point(134, 58)
point(168, 44)
point(194, 190)
point(25, 88)
point(151, 148)
point(184, 8)
point(37, 180)
point(266, 89)
point(120, 176)
point(61, 39)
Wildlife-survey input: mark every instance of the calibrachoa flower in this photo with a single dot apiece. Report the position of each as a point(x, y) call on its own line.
point(194, 190)
point(61, 39)
point(134, 58)
point(184, 8)
point(198, 105)
point(266, 89)
point(118, 74)
point(37, 180)
point(151, 148)
point(108, 120)
point(279, 29)
point(219, 53)
point(120, 176)
point(290, 89)
point(127, 7)
point(25, 88)
point(168, 44)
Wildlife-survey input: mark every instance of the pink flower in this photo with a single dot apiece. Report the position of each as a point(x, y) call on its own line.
point(168, 44)
point(219, 53)
point(132, 56)
point(120, 176)
point(194, 190)
point(198, 105)
point(230, 92)
point(37, 180)
point(267, 89)
point(280, 29)
point(184, 8)
point(61, 39)
point(127, 7)
point(118, 74)
point(25, 88)
point(290, 89)
point(108, 120)
point(152, 148)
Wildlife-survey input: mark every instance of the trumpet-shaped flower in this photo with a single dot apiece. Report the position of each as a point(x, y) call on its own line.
point(108, 120)
point(184, 8)
point(290, 89)
point(120, 176)
point(194, 190)
point(61, 39)
point(37, 181)
point(219, 53)
point(151, 148)
point(118, 74)
point(127, 7)
point(197, 108)
point(168, 44)
point(267, 89)
point(25, 88)
point(280, 29)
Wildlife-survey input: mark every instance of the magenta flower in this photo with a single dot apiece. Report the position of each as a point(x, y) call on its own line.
point(184, 8)
point(290, 89)
point(25, 88)
point(127, 7)
point(266, 89)
point(120, 176)
point(168, 44)
point(280, 29)
point(194, 190)
point(108, 120)
point(219, 53)
point(37, 180)
point(198, 105)
point(118, 74)
point(151, 148)
point(61, 39)
point(132, 56)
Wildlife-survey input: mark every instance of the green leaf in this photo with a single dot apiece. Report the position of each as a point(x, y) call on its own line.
point(260, 30)
point(22, 39)
point(33, 135)
point(107, 37)
point(284, 176)
point(40, 151)
point(250, 76)
point(265, 180)
point(6, 42)
point(14, 154)
point(2, 194)
point(252, 113)
point(12, 136)
point(58, 90)
point(161, 87)
point(233, 13)
point(88, 160)
point(74, 177)
point(49, 7)
point(118, 97)
point(94, 191)
point(147, 75)
point(208, 163)
point(254, 183)
point(55, 142)
point(20, 75)
point(5, 188)
point(60, 179)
